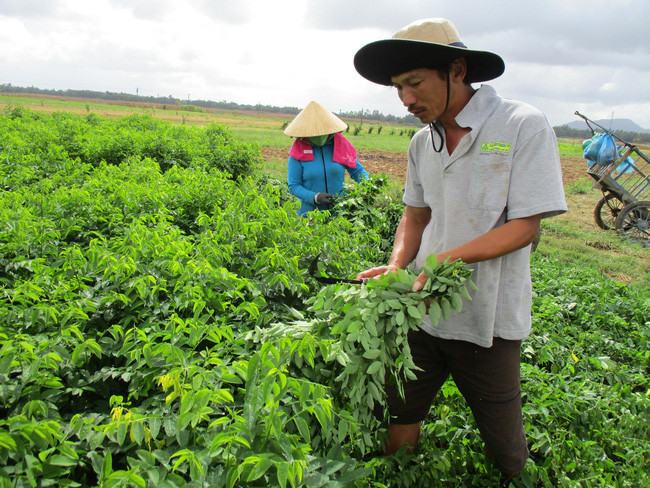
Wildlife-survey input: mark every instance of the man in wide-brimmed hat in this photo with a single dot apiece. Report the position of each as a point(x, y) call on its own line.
point(319, 158)
point(481, 175)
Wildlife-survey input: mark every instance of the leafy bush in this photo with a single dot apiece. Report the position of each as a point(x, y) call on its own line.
point(43, 142)
point(367, 206)
point(191, 108)
point(125, 338)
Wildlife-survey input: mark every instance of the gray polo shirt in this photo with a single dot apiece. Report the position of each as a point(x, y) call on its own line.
point(507, 167)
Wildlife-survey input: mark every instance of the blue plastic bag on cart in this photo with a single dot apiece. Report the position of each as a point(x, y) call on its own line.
point(591, 148)
point(607, 152)
point(626, 166)
point(601, 150)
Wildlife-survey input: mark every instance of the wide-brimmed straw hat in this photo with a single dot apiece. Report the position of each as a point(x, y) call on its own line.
point(427, 43)
point(314, 120)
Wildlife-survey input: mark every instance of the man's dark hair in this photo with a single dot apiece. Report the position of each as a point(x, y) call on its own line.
point(445, 68)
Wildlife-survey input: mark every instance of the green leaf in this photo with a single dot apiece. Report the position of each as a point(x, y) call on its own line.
point(154, 426)
point(400, 317)
point(431, 261)
point(343, 430)
point(122, 430)
point(233, 477)
point(107, 466)
point(187, 402)
point(396, 304)
point(7, 442)
point(283, 473)
point(414, 312)
point(137, 430)
point(372, 354)
point(401, 287)
point(435, 312)
point(60, 460)
point(253, 369)
point(374, 367)
point(169, 423)
point(446, 308)
point(457, 301)
point(371, 328)
point(303, 428)
point(465, 293)
point(374, 392)
point(260, 468)
point(5, 363)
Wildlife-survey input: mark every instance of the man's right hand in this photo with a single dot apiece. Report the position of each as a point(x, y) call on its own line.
point(377, 272)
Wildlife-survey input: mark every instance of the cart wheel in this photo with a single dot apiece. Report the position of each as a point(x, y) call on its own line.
point(606, 211)
point(633, 222)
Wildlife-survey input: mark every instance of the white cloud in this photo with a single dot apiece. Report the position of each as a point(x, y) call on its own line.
point(561, 56)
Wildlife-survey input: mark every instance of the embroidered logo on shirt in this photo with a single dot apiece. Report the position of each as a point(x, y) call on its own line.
point(501, 147)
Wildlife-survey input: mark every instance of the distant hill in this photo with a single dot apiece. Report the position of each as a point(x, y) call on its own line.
point(622, 125)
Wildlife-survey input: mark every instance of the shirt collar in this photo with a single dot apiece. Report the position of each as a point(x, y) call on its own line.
point(478, 109)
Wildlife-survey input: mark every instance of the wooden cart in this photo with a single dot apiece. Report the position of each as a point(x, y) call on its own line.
point(625, 184)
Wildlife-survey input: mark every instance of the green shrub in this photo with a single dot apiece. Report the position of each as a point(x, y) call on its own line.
point(191, 108)
point(42, 142)
point(368, 207)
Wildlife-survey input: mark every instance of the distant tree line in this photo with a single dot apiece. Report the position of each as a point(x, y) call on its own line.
point(627, 136)
point(362, 115)
point(376, 116)
point(123, 97)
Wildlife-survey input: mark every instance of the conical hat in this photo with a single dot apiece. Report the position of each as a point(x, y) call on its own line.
point(314, 120)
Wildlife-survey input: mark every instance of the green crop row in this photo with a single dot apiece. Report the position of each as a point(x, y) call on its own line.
point(159, 326)
point(35, 145)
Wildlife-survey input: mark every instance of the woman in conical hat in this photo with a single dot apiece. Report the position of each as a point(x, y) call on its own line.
point(319, 158)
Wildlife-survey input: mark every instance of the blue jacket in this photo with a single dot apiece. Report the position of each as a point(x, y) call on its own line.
point(322, 175)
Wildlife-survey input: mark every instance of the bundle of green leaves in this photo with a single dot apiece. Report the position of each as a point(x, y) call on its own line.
point(357, 341)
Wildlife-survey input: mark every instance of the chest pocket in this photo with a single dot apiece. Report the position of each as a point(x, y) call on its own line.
point(489, 183)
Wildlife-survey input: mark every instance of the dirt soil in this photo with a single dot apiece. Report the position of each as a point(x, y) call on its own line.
point(394, 164)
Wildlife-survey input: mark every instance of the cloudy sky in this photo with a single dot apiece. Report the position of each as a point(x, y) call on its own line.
point(560, 55)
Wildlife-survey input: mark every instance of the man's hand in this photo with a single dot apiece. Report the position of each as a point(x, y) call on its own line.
point(324, 198)
point(418, 284)
point(377, 272)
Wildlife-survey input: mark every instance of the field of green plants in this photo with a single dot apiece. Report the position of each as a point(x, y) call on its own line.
point(159, 326)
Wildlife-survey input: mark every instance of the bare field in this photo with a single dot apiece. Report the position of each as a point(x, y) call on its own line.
point(394, 163)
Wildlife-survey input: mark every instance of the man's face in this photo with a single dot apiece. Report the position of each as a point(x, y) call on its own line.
point(423, 91)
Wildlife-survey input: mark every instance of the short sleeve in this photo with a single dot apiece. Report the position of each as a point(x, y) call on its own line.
point(536, 177)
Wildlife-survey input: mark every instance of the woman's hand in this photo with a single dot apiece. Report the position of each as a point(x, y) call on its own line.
point(324, 198)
